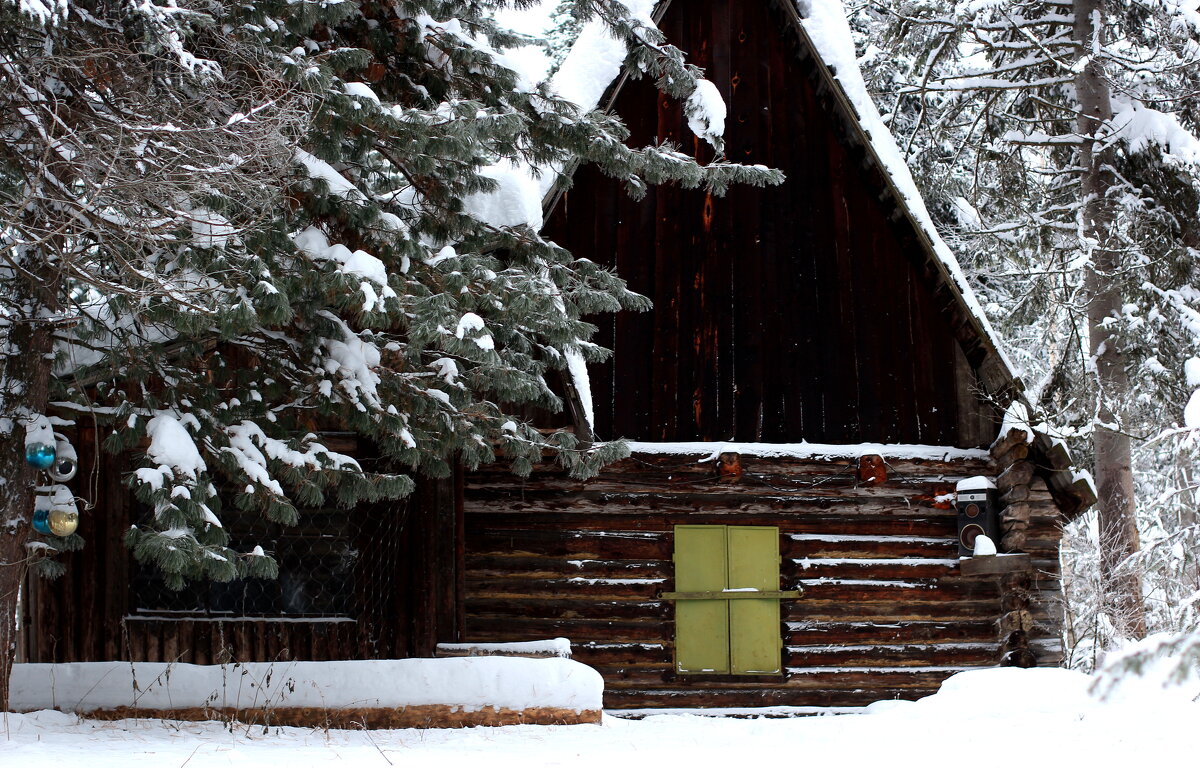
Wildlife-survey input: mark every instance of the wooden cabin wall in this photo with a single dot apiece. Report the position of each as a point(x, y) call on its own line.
point(884, 614)
point(78, 617)
point(407, 589)
point(799, 311)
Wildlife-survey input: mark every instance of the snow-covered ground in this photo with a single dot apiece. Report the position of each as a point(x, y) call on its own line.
point(998, 717)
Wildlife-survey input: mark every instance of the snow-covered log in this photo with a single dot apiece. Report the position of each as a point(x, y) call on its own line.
point(398, 693)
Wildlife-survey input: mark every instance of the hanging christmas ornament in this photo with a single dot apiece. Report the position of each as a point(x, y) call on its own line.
point(40, 455)
point(40, 450)
point(55, 513)
point(63, 522)
point(65, 461)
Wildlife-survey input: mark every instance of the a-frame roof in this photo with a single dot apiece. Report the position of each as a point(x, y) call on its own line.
point(590, 77)
point(825, 35)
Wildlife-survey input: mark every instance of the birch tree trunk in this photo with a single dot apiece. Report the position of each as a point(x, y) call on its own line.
point(1120, 581)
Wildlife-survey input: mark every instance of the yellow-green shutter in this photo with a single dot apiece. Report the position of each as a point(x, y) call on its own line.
point(726, 634)
point(754, 640)
point(701, 626)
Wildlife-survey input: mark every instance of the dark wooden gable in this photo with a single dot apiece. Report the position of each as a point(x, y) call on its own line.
point(805, 311)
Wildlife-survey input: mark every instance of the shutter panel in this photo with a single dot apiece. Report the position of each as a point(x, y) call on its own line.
point(701, 626)
point(754, 629)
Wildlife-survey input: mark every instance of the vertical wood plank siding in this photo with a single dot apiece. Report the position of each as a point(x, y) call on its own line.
point(884, 614)
point(795, 311)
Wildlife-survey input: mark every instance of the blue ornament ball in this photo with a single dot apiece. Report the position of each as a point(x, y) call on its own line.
point(40, 455)
point(41, 521)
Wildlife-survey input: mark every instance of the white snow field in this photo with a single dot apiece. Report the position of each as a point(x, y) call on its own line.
point(993, 717)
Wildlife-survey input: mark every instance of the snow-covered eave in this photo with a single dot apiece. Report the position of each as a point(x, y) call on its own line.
point(822, 25)
point(709, 451)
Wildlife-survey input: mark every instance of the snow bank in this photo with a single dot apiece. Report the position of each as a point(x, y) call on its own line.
point(468, 683)
point(1166, 670)
point(806, 450)
point(989, 719)
point(988, 693)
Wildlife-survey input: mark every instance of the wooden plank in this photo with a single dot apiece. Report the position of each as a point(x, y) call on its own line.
point(996, 565)
point(700, 461)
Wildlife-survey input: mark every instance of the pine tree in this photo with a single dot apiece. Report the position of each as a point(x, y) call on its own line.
point(238, 226)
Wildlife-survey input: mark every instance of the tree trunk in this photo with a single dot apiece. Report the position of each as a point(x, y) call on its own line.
point(26, 374)
point(1120, 581)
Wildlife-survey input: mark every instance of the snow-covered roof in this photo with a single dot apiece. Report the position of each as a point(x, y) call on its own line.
point(823, 25)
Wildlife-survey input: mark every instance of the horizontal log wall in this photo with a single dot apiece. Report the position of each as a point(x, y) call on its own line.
point(885, 612)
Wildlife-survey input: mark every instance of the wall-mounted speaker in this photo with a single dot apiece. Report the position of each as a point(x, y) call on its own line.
point(977, 516)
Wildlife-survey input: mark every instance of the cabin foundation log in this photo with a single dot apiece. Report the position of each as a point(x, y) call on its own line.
point(363, 718)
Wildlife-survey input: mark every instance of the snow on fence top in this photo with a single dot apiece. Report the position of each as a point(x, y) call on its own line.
point(806, 450)
point(467, 683)
point(559, 646)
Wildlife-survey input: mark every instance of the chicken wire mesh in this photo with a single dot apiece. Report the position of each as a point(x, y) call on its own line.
point(318, 559)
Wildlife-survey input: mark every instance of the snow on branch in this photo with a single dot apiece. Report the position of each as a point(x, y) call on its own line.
point(1142, 128)
point(172, 449)
point(43, 11)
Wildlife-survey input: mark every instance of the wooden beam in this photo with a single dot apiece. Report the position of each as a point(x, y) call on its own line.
point(995, 565)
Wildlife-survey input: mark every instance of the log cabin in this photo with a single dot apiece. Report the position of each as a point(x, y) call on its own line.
point(812, 385)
